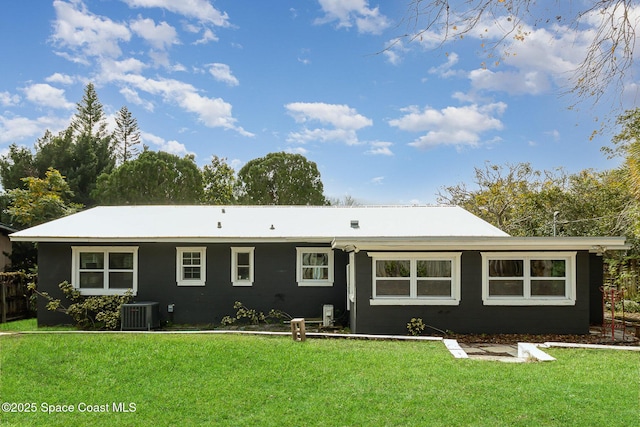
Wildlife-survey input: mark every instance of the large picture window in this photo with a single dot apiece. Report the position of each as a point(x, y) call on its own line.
point(416, 278)
point(104, 270)
point(314, 266)
point(191, 266)
point(540, 278)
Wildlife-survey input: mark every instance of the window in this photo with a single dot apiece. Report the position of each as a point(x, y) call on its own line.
point(104, 270)
point(314, 267)
point(416, 278)
point(540, 278)
point(191, 266)
point(242, 266)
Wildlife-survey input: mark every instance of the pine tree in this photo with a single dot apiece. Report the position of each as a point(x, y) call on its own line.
point(126, 136)
point(89, 118)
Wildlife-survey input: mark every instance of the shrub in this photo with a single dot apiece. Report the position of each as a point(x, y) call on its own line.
point(415, 326)
point(88, 312)
point(253, 316)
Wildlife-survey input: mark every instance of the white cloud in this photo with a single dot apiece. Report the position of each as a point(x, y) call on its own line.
point(86, 33)
point(60, 79)
point(446, 69)
point(346, 121)
point(378, 180)
point(458, 126)
point(395, 51)
point(173, 146)
point(159, 36)
point(14, 129)
point(380, 148)
point(133, 97)
point(222, 73)
point(198, 9)
point(207, 36)
point(110, 68)
point(340, 116)
point(353, 12)
point(349, 137)
point(554, 134)
point(297, 150)
point(7, 99)
point(212, 112)
point(45, 95)
point(512, 82)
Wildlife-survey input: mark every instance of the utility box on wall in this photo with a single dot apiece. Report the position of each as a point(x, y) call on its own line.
point(327, 315)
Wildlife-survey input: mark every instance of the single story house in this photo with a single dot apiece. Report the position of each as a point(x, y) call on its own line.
point(377, 266)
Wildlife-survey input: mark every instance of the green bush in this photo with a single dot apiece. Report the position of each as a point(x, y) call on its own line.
point(253, 316)
point(88, 312)
point(415, 326)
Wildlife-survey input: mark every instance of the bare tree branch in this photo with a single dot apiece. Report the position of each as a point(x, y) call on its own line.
point(606, 67)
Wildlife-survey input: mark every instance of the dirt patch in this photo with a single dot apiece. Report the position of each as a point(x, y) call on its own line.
point(595, 338)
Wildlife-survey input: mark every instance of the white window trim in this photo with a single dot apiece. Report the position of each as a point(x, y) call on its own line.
point(234, 266)
point(203, 266)
point(105, 290)
point(454, 257)
point(527, 299)
point(310, 282)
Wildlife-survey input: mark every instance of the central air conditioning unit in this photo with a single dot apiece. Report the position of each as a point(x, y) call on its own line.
point(327, 315)
point(140, 316)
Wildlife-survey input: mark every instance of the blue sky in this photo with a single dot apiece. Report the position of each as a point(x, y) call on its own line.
point(240, 79)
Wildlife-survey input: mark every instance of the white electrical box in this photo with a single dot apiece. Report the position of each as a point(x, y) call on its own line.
point(327, 315)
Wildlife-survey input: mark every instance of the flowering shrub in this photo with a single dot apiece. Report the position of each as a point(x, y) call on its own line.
point(253, 316)
point(415, 326)
point(88, 312)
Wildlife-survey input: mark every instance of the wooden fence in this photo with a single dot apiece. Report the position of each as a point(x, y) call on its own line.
point(15, 297)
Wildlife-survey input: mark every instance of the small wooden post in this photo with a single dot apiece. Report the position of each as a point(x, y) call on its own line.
point(298, 332)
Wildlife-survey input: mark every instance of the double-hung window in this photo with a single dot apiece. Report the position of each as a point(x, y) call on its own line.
point(416, 278)
point(531, 278)
point(191, 266)
point(104, 270)
point(242, 266)
point(314, 266)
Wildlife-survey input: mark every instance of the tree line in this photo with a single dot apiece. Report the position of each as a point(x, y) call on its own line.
point(85, 165)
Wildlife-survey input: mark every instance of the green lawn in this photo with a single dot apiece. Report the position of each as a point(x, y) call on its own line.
point(184, 380)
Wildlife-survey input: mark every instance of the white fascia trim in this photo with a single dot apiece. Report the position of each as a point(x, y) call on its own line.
point(486, 243)
point(178, 239)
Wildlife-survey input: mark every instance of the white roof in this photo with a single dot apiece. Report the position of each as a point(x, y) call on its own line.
point(260, 223)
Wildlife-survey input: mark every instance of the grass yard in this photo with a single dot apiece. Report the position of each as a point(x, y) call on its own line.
point(233, 380)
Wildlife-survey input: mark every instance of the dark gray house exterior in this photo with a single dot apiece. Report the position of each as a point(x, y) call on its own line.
point(377, 267)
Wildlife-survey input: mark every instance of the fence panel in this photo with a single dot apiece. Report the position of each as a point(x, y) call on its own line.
point(15, 296)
